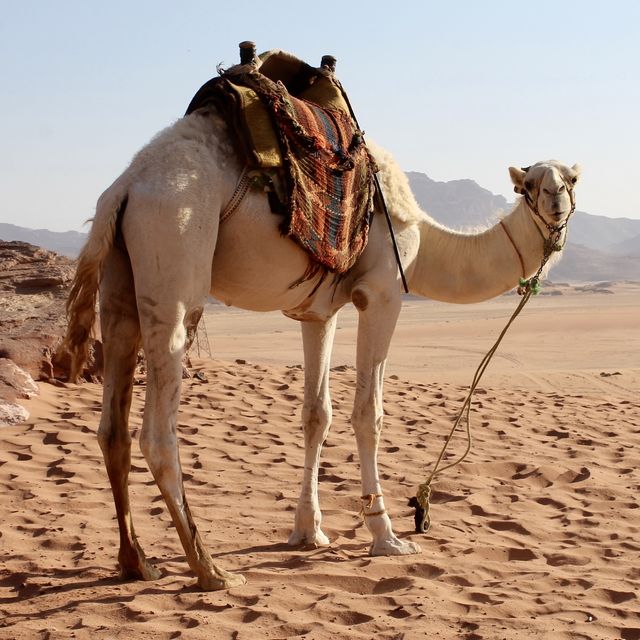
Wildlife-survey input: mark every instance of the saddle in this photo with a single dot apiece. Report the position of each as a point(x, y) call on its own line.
point(292, 125)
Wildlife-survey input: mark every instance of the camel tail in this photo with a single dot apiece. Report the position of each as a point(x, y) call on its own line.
point(81, 303)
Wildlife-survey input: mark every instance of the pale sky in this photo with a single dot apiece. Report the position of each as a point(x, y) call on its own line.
point(455, 89)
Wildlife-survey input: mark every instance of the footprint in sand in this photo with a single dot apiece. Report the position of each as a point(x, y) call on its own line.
point(22, 457)
point(52, 438)
point(426, 571)
point(483, 598)
point(387, 585)
point(549, 502)
point(561, 559)
point(521, 555)
point(508, 525)
point(575, 476)
point(54, 469)
point(617, 597)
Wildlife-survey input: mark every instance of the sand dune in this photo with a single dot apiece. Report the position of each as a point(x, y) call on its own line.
point(536, 536)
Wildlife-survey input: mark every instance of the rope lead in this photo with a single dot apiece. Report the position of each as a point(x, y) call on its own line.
point(526, 288)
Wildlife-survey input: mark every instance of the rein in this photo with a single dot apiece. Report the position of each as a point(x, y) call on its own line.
point(526, 288)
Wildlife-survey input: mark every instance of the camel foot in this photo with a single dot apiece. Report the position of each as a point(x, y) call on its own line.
point(221, 579)
point(143, 571)
point(394, 547)
point(316, 538)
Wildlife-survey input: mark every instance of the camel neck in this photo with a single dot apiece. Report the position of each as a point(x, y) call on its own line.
point(470, 267)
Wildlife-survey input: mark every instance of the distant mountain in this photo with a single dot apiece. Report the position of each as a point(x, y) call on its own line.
point(629, 247)
point(581, 264)
point(457, 203)
point(613, 235)
point(66, 243)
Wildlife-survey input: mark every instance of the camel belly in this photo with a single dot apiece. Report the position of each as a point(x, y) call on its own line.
point(255, 268)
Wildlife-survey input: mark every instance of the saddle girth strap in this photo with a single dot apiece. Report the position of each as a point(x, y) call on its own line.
point(244, 182)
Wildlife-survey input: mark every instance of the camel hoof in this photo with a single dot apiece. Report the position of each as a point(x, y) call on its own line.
point(394, 547)
point(316, 539)
point(221, 580)
point(144, 571)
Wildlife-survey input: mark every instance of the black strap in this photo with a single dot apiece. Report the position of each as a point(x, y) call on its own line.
point(379, 193)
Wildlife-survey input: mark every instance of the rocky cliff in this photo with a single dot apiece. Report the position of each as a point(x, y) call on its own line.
point(34, 284)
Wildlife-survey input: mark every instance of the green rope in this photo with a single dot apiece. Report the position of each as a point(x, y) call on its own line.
point(526, 288)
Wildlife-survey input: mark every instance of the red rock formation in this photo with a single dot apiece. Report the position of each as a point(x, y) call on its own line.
point(34, 284)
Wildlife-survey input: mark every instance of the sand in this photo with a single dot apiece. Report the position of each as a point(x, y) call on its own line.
point(537, 535)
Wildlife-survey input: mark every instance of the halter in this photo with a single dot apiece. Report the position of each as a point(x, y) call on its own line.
point(552, 228)
point(554, 242)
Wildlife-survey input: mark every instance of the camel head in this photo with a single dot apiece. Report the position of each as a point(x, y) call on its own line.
point(548, 189)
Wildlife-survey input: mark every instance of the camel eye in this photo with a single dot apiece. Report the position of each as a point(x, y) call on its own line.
point(574, 179)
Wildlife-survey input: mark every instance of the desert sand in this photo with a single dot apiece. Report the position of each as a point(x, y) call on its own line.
point(536, 535)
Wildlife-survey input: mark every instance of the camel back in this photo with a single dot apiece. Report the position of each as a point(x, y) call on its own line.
point(292, 124)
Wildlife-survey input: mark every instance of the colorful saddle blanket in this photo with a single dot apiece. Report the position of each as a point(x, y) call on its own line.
point(316, 151)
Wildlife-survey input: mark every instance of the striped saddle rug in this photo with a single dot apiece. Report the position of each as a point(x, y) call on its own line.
point(317, 155)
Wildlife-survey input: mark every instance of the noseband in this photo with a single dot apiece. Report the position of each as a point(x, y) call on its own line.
point(554, 242)
point(551, 228)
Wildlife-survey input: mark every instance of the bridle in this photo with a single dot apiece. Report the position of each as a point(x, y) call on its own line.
point(551, 228)
point(551, 243)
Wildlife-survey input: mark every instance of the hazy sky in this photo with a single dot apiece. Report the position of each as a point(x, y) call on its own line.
point(455, 89)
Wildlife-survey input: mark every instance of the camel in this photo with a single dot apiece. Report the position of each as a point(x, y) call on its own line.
point(157, 249)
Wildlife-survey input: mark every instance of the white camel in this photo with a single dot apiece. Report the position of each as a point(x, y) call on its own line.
point(157, 248)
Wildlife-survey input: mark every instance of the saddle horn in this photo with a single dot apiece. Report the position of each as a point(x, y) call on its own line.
point(328, 63)
point(247, 52)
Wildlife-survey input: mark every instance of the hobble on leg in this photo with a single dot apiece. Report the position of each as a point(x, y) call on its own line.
point(367, 423)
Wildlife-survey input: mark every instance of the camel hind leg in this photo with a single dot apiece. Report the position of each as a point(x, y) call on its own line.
point(121, 339)
point(171, 286)
point(164, 342)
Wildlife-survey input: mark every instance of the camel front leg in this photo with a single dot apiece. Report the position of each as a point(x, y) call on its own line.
point(377, 320)
point(317, 338)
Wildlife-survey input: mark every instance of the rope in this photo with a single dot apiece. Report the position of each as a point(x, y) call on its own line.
point(526, 289)
point(244, 182)
point(515, 246)
point(370, 499)
point(424, 490)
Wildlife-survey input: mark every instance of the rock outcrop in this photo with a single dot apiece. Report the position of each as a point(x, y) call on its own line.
point(34, 284)
point(15, 384)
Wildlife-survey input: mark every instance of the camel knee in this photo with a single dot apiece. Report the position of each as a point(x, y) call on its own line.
point(316, 420)
point(366, 417)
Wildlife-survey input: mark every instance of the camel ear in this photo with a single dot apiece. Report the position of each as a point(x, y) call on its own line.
point(517, 177)
point(576, 170)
